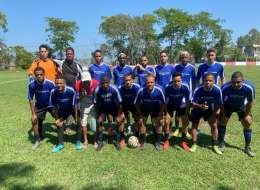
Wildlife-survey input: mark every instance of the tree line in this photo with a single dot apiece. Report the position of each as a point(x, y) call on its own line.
point(171, 29)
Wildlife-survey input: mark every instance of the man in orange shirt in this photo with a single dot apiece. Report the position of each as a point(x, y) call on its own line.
point(50, 67)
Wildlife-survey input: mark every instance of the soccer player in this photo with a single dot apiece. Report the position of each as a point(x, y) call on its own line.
point(121, 70)
point(164, 70)
point(128, 93)
point(40, 89)
point(85, 89)
point(188, 73)
point(177, 96)
point(49, 66)
point(150, 100)
point(141, 70)
point(99, 69)
point(211, 67)
point(238, 96)
point(206, 103)
point(63, 101)
point(108, 104)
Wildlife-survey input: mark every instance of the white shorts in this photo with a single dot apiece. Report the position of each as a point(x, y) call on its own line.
point(84, 115)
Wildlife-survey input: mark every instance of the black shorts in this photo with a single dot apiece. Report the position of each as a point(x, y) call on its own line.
point(197, 114)
point(228, 112)
point(41, 113)
point(130, 109)
point(178, 111)
point(65, 115)
point(112, 111)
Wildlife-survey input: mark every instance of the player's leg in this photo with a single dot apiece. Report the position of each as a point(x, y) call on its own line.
point(157, 121)
point(99, 132)
point(166, 123)
point(195, 119)
point(37, 128)
point(60, 129)
point(177, 125)
point(142, 131)
point(212, 120)
point(225, 114)
point(120, 136)
point(185, 124)
point(246, 121)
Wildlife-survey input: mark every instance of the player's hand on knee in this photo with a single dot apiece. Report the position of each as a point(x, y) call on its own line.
point(34, 118)
point(59, 123)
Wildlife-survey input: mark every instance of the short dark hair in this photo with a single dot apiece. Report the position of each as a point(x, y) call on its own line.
point(129, 74)
point(210, 50)
point(38, 69)
point(97, 51)
point(163, 51)
point(44, 46)
point(176, 74)
point(144, 56)
point(69, 49)
point(209, 74)
point(60, 77)
point(105, 77)
point(237, 74)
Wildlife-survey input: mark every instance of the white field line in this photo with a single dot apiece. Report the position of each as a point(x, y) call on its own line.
point(11, 81)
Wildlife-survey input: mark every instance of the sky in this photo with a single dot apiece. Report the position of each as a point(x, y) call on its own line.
point(27, 24)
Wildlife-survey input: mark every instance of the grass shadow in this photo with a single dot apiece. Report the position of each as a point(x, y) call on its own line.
point(97, 186)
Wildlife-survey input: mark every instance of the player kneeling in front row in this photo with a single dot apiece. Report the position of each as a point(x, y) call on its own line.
point(177, 97)
point(150, 100)
point(206, 103)
point(85, 89)
point(63, 101)
point(128, 93)
point(238, 96)
point(40, 89)
point(108, 104)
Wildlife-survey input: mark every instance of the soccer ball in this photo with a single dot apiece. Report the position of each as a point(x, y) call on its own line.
point(133, 142)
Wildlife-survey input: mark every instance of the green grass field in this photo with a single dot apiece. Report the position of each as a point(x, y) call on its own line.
point(21, 168)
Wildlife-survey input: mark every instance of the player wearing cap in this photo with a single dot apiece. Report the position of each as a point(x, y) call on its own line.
point(85, 89)
point(121, 70)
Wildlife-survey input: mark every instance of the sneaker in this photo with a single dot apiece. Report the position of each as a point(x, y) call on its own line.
point(222, 146)
point(216, 150)
point(185, 146)
point(158, 146)
point(176, 133)
point(188, 135)
point(36, 145)
point(58, 148)
point(99, 146)
point(249, 152)
point(166, 145)
point(78, 145)
point(193, 148)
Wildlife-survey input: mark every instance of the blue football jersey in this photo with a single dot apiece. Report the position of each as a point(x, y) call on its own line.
point(177, 97)
point(188, 74)
point(216, 69)
point(97, 71)
point(41, 92)
point(141, 75)
point(119, 73)
point(128, 95)
point(164, 74)
point(212, 98)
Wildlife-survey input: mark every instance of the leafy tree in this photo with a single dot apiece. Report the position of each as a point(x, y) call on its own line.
point(61, 34)
point(3, 21)
point(23, 58)
point(253, 37)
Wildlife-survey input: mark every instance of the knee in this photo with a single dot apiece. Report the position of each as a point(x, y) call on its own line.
point(247, 121)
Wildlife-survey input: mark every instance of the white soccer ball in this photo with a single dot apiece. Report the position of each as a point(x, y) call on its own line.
point(133, 142)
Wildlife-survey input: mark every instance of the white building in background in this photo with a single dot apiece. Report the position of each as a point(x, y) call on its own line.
point(252, 51)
